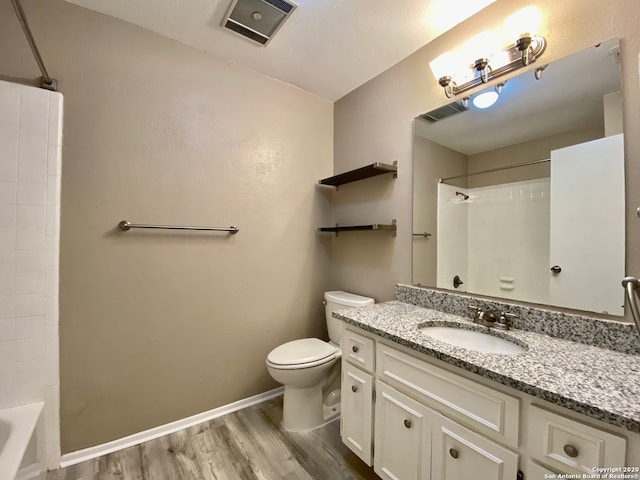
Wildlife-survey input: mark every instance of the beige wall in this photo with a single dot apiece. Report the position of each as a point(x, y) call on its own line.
point(613, 113)
point(530, 151)
point(374, 122)
point(158, 326)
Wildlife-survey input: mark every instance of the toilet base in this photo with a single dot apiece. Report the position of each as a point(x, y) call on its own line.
point(330, 413)
point(331, 405)
point(303, 409)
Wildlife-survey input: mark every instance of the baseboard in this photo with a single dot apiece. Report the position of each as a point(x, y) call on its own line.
point(32, 471)
point(146, 435)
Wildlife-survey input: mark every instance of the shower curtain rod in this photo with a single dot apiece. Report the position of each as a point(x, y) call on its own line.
point(525, 164)
point(47, 82)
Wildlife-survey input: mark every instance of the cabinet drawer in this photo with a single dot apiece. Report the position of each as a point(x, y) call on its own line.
point(572, 446)
point(358, 349)
point(484, 409)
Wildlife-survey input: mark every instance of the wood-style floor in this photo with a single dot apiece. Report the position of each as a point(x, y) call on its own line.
point(248, 444)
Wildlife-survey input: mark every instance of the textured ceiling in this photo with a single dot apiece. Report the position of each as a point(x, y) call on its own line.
point(327, 47)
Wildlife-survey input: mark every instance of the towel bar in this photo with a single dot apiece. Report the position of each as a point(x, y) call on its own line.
point(125, 225)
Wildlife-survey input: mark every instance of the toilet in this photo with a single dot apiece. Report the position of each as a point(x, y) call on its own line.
point(309, 369)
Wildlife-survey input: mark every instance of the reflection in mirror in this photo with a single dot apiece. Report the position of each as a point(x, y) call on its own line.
point(524, 200)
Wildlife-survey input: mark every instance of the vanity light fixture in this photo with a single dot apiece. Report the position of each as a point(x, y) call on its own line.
point(456, 74)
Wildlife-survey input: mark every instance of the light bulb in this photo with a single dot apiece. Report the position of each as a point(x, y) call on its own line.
point(523, 23)
point(499, 59)
point(486, 99)
point(443, 66)
point(482, 45)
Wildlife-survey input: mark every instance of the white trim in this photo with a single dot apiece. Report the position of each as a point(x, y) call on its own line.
point(146, 435)
point(32, 471)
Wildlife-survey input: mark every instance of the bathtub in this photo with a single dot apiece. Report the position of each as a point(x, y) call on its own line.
point(17, 425)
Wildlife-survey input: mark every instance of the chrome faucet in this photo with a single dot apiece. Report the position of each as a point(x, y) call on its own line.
point(490, 320)
point(482, 317)
point(504, 322)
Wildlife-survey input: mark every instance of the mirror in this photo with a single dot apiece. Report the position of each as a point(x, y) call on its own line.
point(545, 222)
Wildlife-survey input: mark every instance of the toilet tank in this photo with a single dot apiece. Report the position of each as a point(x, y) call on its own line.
point(339, 301)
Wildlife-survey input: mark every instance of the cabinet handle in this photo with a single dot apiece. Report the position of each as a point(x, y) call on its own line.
point(571, 451)
point(355, 349)
point(354, 389)
point(407, 423)
point(454, 453)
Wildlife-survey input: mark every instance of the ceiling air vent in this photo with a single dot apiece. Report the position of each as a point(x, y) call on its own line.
point(257, 20)
point(444, 112)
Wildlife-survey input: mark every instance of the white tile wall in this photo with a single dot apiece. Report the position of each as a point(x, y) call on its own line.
point(30, 238)
point(32, 194)
point(494, 240)
point(29, 327)
point(7, 330)
point(510, 240)
point(29, 261)
point(7, 308)
point(7, 216)
point(8, 193)
point(30, 170)
point(452, 237)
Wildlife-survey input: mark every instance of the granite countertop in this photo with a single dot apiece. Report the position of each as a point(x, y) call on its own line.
point(597, 382)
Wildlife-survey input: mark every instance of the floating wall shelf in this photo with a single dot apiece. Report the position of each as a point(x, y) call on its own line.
point(352, 228)
point(369, 171)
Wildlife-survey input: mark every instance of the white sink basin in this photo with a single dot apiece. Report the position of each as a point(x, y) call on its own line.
point(473, 340)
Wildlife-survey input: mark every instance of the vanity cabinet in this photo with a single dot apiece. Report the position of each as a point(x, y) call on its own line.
point(414, 420)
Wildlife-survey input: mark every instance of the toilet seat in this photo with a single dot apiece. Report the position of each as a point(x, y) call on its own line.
point(303, 353)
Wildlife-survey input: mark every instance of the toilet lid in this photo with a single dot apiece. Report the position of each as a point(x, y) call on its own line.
point(301, 351)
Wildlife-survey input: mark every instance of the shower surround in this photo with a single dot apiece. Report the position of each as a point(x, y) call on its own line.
point(30, 173)
point(497, 239)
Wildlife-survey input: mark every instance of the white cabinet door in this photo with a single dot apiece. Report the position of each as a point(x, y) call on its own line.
point(402, 436)
point(536, 471)
point(356, 415)
point(587, 226)
point(460, 454)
